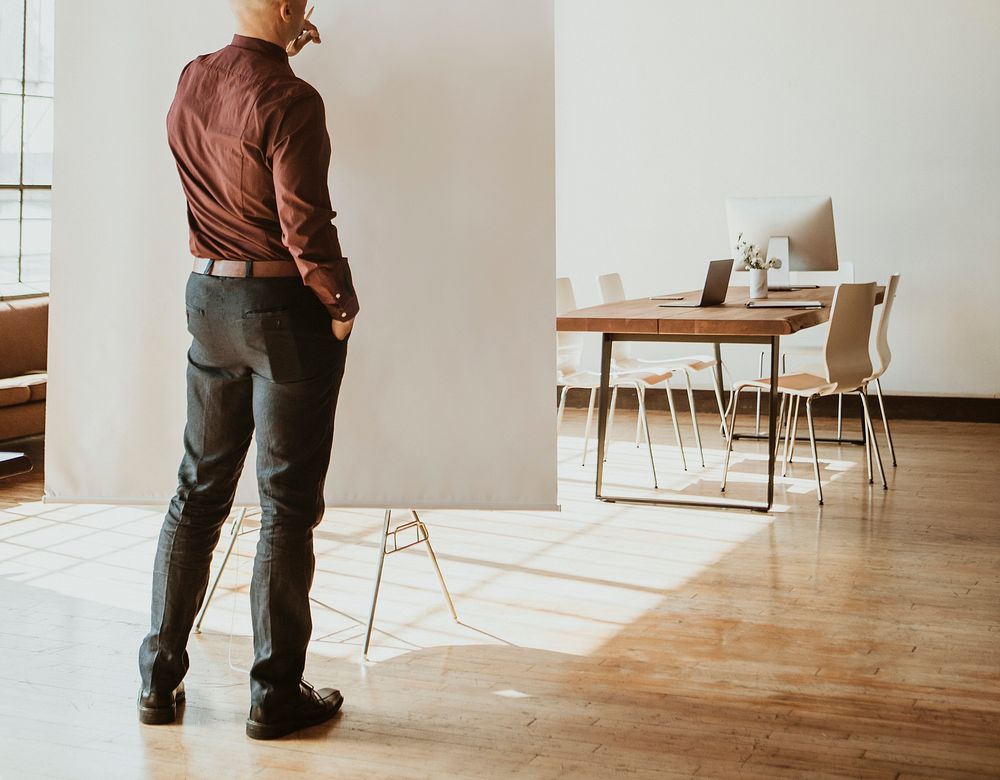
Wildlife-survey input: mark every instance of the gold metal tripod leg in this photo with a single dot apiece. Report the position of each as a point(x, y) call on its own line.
point(437, 567)
point(421, 536)
point(380, 563)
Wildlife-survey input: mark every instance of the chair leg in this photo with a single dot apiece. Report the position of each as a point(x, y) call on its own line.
point(760, 373)
point(840, 415)
point(873, 441)
point(562, 407)
point(611, 422)
point(640, 391)
point(795, 429)
point(885, 419)
point(649, 439)
point(729, 438)
point(719, 401)
point(788, 433)
point(812, 444)
point(782, 415)
point(673, 419)
point(586, 431)
point(694, 417)
point(779, 427)
point(867, 441)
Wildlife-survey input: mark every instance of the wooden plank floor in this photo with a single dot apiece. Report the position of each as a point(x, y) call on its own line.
point(608, 640)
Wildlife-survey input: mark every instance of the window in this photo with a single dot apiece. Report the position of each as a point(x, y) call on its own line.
point(27, 33)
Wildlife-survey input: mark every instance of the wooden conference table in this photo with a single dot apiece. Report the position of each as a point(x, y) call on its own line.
point(730, 323)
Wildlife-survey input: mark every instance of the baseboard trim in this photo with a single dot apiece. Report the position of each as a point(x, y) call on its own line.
point(898, 407)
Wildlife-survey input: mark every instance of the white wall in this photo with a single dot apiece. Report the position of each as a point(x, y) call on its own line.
point(442, 119)
point(892, 107)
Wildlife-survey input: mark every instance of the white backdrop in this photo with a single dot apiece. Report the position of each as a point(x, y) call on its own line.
point(441, 114)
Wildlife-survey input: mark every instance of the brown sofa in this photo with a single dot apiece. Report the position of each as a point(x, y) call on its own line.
point(24, 335)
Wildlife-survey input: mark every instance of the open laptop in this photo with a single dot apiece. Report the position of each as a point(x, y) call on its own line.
point(714, 292)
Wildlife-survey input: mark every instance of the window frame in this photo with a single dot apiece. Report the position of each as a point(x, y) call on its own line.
point(21, 187)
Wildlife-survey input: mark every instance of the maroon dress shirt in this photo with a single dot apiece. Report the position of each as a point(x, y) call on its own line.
point(253, 153)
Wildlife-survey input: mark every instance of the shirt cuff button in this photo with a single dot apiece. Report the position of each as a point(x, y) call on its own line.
point(344, 314)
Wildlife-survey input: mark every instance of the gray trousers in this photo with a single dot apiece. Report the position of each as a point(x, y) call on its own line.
point(262, 358)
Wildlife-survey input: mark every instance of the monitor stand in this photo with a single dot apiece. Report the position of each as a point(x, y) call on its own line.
point(779, 279)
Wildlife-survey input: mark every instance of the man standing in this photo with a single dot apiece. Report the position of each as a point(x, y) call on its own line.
point(270, 306)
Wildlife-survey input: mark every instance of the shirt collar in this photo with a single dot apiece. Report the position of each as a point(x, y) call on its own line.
point(268, 49)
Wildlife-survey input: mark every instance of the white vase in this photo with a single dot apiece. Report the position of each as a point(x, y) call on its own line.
point(758, 283)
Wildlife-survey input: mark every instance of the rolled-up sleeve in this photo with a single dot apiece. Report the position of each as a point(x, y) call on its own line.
point(300, 163)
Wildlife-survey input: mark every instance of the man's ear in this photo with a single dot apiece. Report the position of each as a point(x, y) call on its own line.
point(285, 11)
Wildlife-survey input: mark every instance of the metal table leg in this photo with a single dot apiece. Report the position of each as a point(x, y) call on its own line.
point(602, 409)
point(717, 350)
point(675, 500)
point(772, 420)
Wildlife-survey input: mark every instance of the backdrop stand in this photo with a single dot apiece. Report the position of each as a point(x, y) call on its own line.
point(419, 536)
point(235, 530)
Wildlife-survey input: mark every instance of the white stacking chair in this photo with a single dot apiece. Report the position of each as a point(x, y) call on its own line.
point(569, 351)
point(809, 358)
point(622, 361)
point(805, 348)
point(847, 367)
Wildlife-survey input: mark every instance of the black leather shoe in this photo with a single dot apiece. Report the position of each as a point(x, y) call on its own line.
point(156, 708)
point(309, 708)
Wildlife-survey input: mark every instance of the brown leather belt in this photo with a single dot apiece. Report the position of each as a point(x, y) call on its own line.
point(246, 269)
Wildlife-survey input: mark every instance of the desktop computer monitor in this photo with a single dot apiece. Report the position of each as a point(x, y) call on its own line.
point(798, 231)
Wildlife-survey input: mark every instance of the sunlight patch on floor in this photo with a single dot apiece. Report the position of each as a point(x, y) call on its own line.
point(565, 582)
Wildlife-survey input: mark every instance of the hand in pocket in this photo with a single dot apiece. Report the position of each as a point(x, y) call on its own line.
point(341, 330)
